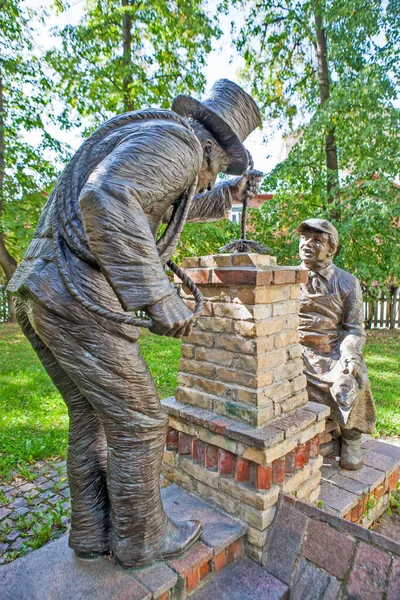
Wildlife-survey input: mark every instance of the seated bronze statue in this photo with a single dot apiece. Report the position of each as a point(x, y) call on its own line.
point(333, 337)
point(95, 246)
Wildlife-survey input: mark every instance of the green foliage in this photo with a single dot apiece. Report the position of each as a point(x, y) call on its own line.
point(128, 55)
point(279, 43)
point(26, 96)
point(202, 239)
point(395, 500)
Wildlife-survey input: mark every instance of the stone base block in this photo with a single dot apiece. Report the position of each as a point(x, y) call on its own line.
point(241, 468)
point(361, 496)
point(53, 572)
point(243, 580)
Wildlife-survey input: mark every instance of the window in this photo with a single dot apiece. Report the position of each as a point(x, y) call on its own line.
point(235, 214)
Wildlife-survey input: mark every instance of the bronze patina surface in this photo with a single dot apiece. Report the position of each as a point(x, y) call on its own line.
point(94, 254)
point(333, 337)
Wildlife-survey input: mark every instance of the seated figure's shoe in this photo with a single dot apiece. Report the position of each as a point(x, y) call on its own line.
point(350, 455)
point(178, 538)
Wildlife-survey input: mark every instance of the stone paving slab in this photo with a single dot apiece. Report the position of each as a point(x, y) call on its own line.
point(219, 530)
point(243, 580)
point(381, 463)
point(312, 582)
point(330, 558)
point(158, 578)
point(337, 498)
point(53, 573)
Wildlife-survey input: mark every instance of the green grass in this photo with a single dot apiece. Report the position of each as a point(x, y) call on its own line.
point(33, 417)
point(382, 355)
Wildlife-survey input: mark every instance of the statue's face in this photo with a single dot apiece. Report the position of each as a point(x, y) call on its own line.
point(315, 247)
point(215, 161)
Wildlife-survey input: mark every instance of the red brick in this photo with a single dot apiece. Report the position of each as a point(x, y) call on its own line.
point(204, 570)
point(242, 470)
point(302, 276)
point(184, 443)
point(219, 561)
point(193, 580)
point(307, 452)
point(314, 447)
point(198, 450)
point(263, 477)
point(365, 502)
point(299, 456)
point(172, 439)
point(289, 462)
point(230, 553)
point(328, 548)
point(391, 481)
point(357, 511)
point(238, 548)
point(194, 559)
point(220, 425)
point(278, 470)
point(211, 457)
point(234, 276)
point(225, 462)
point(198, 275)
point(379, 490)
point(284, 276)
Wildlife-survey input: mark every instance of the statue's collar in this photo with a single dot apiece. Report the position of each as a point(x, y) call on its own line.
point(326, 272)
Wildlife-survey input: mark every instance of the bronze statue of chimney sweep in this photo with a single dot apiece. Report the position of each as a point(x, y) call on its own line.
point(333, 337)
point(95, 245)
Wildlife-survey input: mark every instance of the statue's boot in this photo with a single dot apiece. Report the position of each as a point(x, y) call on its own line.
point(350, 455)
point(178, 538)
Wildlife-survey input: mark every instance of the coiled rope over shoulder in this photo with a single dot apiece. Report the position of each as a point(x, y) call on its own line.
point(121, 317)
point(165, 245)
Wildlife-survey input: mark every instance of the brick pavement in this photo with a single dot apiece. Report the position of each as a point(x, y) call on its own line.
point(33, 510)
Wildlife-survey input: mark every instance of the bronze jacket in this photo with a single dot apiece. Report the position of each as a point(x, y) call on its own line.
point(108, 205)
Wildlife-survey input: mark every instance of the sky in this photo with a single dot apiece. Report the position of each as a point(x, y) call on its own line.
point(223, 61)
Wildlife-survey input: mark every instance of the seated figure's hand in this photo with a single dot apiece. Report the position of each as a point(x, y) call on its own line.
point(246, 187)
point(351, 366)
point(171, 316)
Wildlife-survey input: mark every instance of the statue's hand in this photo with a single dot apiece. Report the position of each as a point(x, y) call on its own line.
point(246, 187)
point(171, 316)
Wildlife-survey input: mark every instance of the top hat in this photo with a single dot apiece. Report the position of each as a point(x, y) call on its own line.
point(320, 225)
point(229, 114)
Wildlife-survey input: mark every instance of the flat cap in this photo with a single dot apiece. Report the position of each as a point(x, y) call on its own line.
point(320, 225)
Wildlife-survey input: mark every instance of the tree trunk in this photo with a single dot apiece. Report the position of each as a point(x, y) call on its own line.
point(324, 92)
point(7, 262)
point(126, 57)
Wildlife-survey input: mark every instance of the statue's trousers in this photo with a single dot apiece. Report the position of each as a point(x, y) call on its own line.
point(117, 425)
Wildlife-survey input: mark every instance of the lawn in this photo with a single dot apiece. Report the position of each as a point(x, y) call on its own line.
point(33, 418)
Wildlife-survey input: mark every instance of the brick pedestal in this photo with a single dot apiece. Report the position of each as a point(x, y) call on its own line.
point(330, 439)
point(240, 427)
